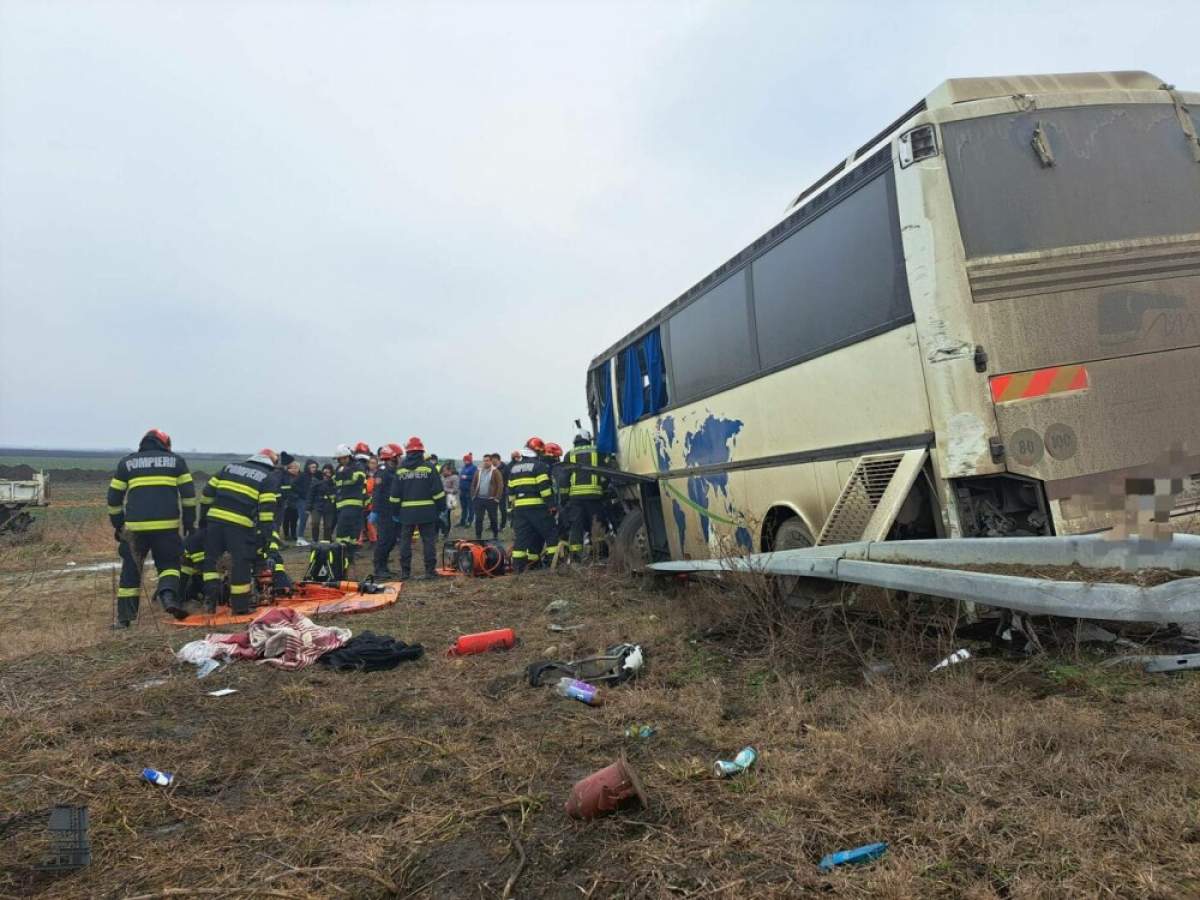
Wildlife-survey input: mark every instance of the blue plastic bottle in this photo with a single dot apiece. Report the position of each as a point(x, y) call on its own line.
point(162, 779)
point(865, 853)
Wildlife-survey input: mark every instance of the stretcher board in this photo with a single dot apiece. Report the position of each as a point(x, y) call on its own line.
point(311, 600)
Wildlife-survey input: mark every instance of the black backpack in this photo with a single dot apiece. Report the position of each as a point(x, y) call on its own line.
point(326, 562)
point(370, 652)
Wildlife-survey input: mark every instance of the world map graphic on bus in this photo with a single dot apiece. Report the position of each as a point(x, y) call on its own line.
point(710, 443)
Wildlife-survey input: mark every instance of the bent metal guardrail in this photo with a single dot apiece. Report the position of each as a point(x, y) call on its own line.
point(927, 567)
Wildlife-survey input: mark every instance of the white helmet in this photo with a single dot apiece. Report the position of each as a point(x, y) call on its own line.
point(342, 450)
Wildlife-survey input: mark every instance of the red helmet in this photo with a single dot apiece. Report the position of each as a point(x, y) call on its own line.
point(396, 448)
point(552, 449)
point(387, 451)
point(362, 447)
point(159, 435)
point(414, 445)
point(536, 444)
point(269, 454)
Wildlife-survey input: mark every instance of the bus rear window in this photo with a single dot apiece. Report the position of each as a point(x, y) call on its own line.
point(1112, 173)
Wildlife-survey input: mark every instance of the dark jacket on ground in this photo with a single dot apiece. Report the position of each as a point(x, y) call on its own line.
point(417, 494)
point(152, 490)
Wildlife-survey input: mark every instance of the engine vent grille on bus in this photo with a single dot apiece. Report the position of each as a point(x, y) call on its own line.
point(872, 497)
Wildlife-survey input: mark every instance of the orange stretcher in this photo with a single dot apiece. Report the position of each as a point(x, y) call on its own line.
point(311, 600)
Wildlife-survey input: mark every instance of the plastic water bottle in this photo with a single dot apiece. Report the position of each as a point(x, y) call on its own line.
point(724, 768)
point(865, 853)
point(640, 731)
point(578, 690)
point(162, 779)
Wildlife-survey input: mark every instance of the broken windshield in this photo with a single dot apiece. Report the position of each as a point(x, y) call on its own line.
point(1060, 177)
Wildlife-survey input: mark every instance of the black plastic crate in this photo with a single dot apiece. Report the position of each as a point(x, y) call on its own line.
point(69, 841)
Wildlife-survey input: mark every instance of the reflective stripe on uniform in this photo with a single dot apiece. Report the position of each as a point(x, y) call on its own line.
point(350, 502)
point(167, 573)
point(238, 589)
point(529, 501)
point(114, 510)
point(128, 592)
point(268, 497)
point(518, 554)
point(187, 570)
point(185, 478)
point(151, 481)
point(226, 515)
point(118, 485)
point(188, 502)
point(236, 487)
point(417, 502)
point(211, 576)
point(153, 525)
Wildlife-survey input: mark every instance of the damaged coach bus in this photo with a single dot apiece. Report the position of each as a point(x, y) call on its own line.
point(985, 321)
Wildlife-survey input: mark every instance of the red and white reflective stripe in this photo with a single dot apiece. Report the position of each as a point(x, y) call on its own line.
point(1039, 383)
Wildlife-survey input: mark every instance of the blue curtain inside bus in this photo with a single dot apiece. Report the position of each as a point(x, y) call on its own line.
point(606, 435)
point(657, 370)
point(630, 384)
point(642, 378)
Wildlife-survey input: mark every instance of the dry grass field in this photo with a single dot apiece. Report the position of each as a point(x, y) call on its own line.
point(998, 778)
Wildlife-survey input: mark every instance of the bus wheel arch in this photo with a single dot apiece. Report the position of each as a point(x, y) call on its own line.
point(775, 520)
point(785, 529)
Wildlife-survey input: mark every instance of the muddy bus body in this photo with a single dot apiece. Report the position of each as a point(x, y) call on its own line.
point(985, 321)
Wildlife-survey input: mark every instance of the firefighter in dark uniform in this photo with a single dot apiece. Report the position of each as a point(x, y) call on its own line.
point(531, 494)
point(350, 481)
point(192, 588)
point(583, 492)
point(382, 513)
point(151, 494)
point(553, 459)
point(238, 510)
point(270, 557)
point(417, 500)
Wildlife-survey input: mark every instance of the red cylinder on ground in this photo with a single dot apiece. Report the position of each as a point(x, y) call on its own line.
point(605, 790)
point(500, 639)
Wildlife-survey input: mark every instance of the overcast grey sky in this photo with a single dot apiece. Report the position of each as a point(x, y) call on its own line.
point(300, 223)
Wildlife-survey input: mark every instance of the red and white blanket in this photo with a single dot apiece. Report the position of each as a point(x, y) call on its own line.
point(279, 637)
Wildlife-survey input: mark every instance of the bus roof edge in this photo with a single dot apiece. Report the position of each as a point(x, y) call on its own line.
point(963, 90)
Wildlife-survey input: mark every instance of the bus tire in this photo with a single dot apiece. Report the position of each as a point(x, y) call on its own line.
point(793, 590)
point(631, 545)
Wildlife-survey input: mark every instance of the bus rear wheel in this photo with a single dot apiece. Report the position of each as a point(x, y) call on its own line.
point(794, 590)
point(631, 545)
